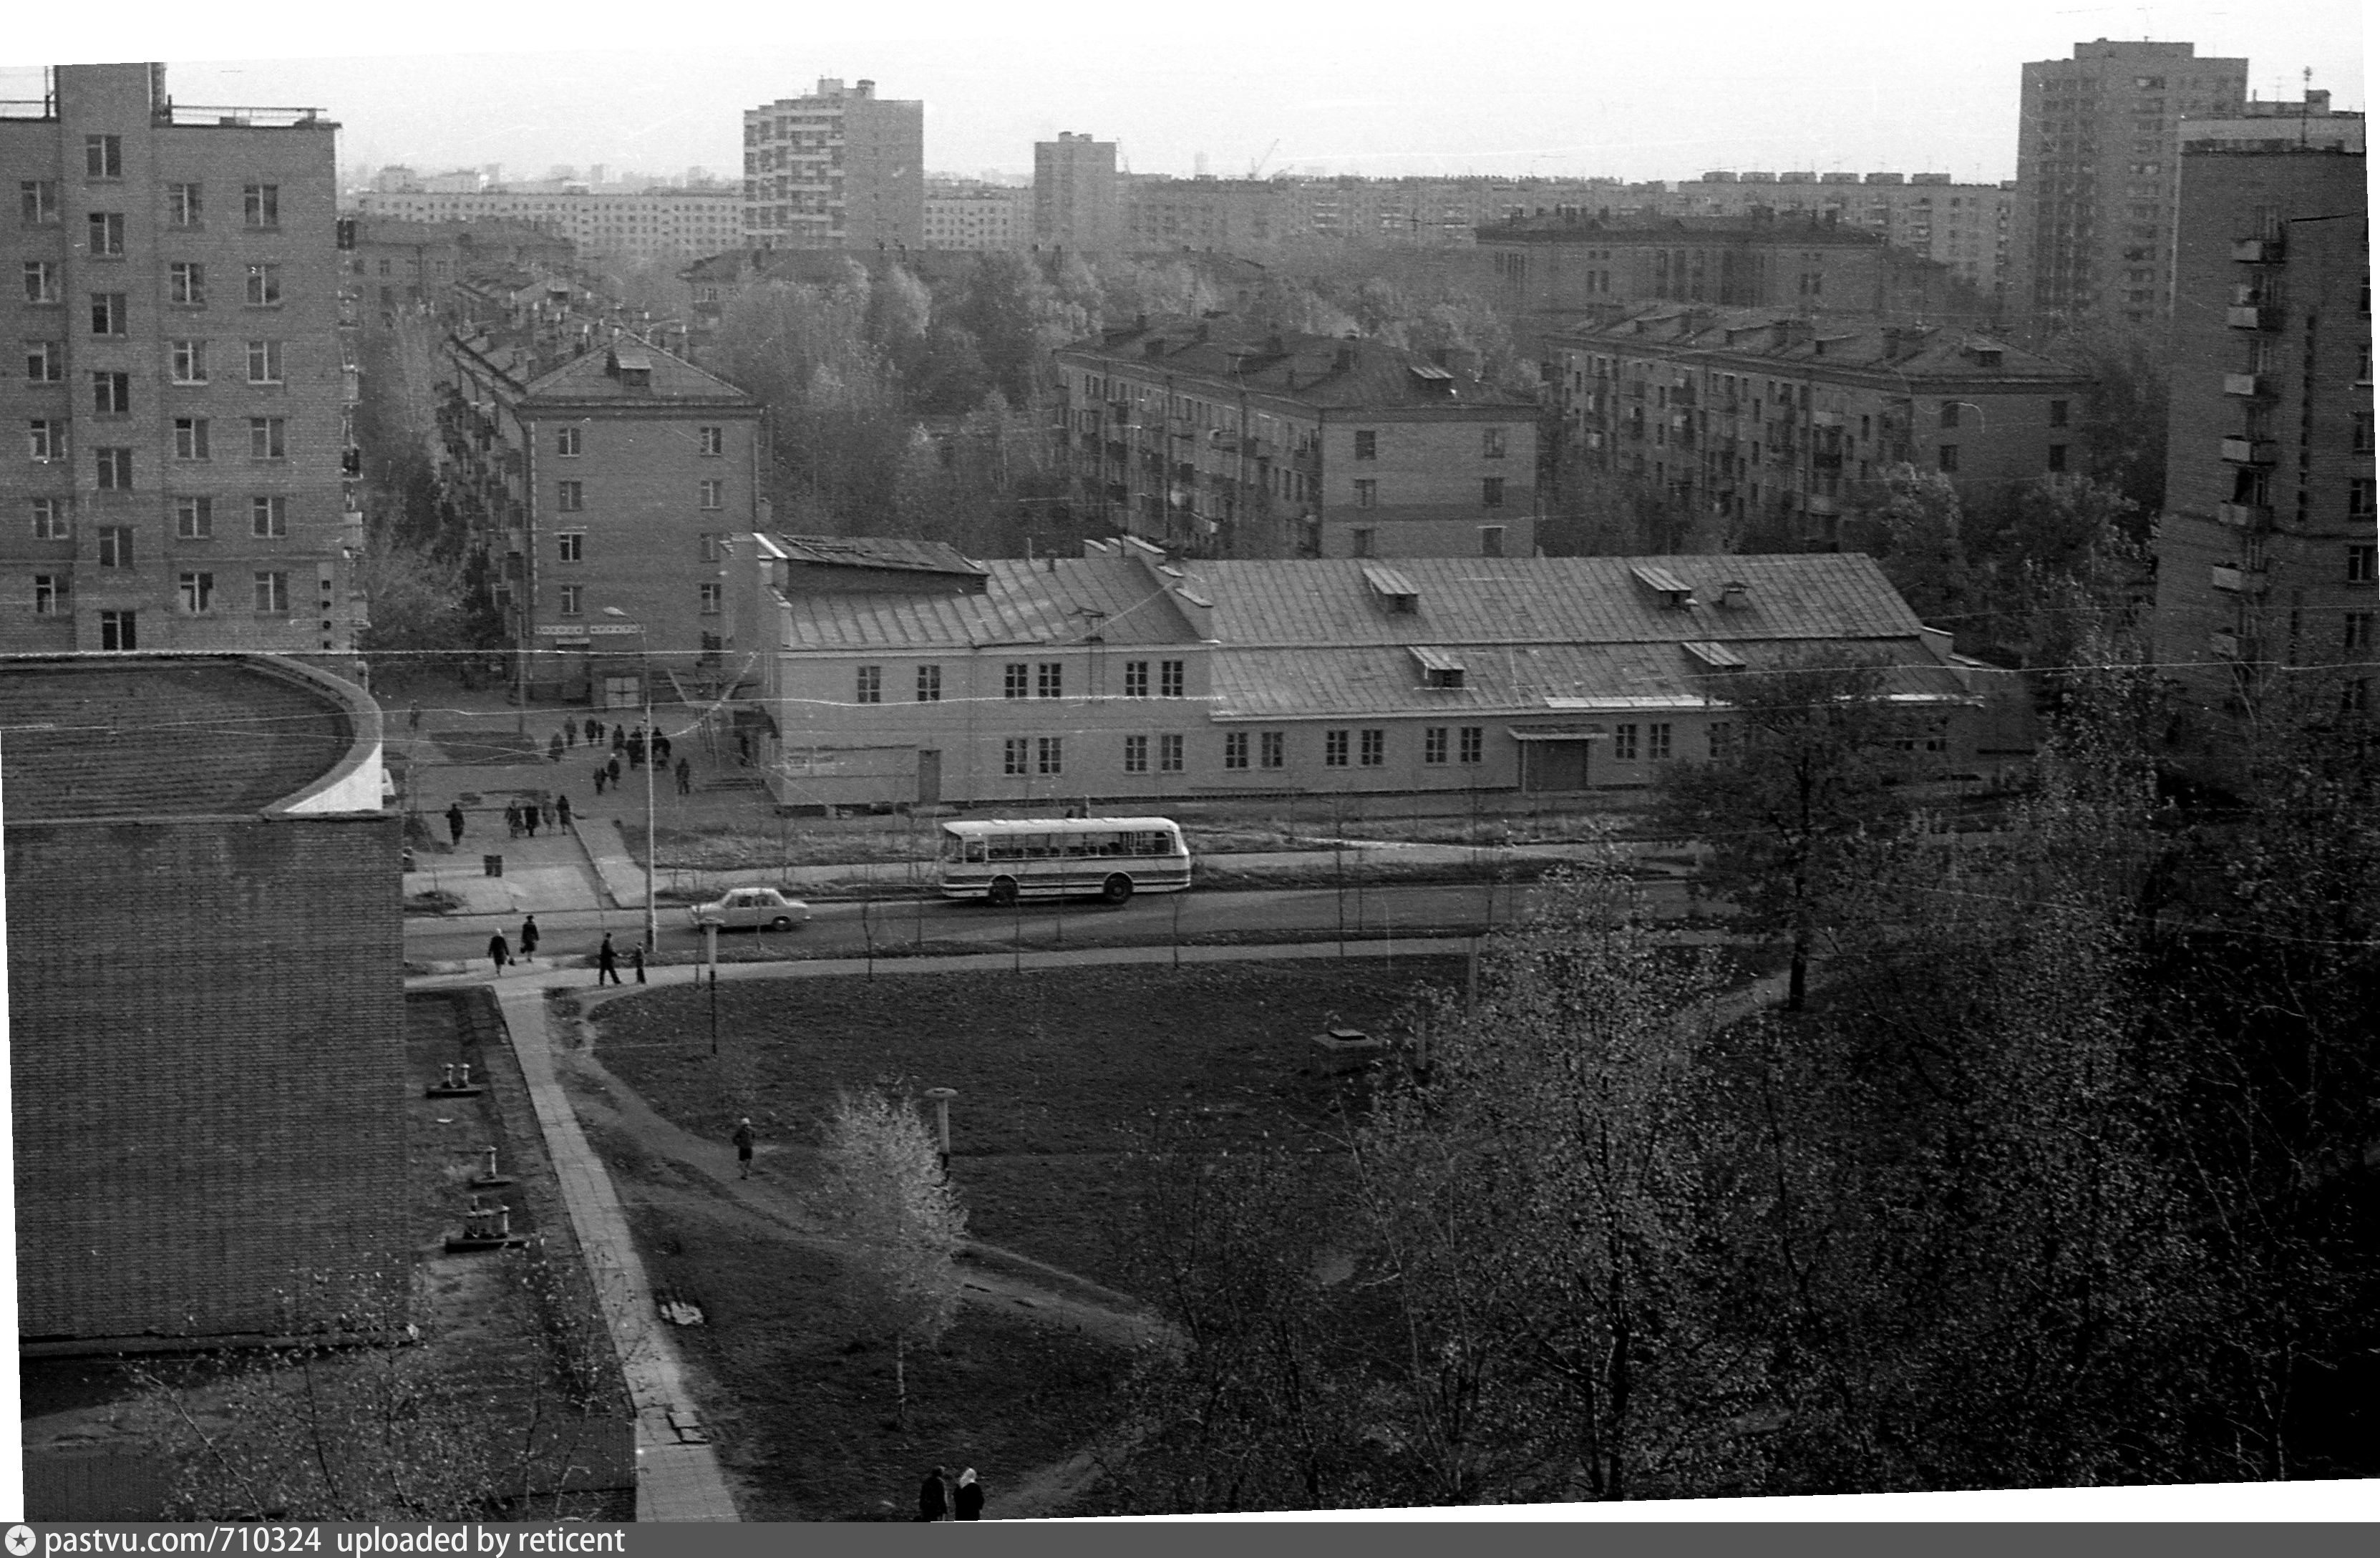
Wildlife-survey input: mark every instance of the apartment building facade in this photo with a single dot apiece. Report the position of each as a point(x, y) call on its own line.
point(654, 225)
point(2098, 176)
point(1077, 194)
point(976, 216)
point(1765, 420)
point(1963, 226)
point(181, 398)
point(1234, 215)
point(2266, 570)
point(838, 169)
point(1217, 442)
point(603, 489)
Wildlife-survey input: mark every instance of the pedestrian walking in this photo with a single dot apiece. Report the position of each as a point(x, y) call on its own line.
point(528, 818)
point(637, 960)
point(413, 718)
point(614, 768)
point(661, 748)
point(454, 824)
point(637, 750)
point(601, 775)
point(553, 747)
point(607, 962)
point(529, 939)
point(562, 809)
point(933, 1497)
point(512, 820)
point(594, 730)
point(685, 777)
point(545, 811)
point(500, 952)
point(570, 732)
point(619, 737)
point(969, 1502)
point(743, 1140)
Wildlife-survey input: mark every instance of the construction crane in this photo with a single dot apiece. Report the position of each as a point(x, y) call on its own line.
point(1255, 169)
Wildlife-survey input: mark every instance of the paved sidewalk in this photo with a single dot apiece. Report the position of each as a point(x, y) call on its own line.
point(677, 1471)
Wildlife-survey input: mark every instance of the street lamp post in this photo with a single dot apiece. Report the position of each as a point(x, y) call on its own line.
point(652, 844)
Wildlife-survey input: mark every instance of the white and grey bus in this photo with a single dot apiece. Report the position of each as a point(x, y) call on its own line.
point(1003, 858)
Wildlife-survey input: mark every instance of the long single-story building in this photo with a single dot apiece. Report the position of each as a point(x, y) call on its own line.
point(1120, 675)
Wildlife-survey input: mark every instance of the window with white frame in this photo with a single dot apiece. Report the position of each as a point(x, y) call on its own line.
point(713, 494)
point(929, 684)
point(570, 497)
point(47, 438)
point(271, 594)
point(190, 362)
point(268, 438)
point(264, 286)
point(1373, 749)
point(194, 519)
point(183, 205)
point(103, 156)
point(1623, 743)
point(264, 362)
point(868, 684)
point(1657, 742)
point(1016, 679)
point(1169, 753)
point(49, 594)
point(1169, 678)
point(569, 442)
point(38, 202)
point(1433, 744)
point(197, 590)
point(41, 281)
point(45, 362)
point(711, 441)
point(190, 439)
point(1014, 754)
point(1136, 754)
point(1270, 749)
point(1472, 742)
point(1236, 749)
point(115, 546)
point(52, 519)
point(570, 600)
point(570, 546)
point(260, 204)
point(1334, 749)
point(1135, 679)
point(113, 468)
point(268, 516)
point(1049, 755)
point(1049, 679)
point(710, 600)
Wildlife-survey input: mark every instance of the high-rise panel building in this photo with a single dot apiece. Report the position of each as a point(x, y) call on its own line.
point(1076, 197)
point(180, 422)
point(2096, 175)
point(838, 169)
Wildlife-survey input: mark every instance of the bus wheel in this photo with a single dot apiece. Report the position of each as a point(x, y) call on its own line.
point(1002, 892)
point(1117, 888)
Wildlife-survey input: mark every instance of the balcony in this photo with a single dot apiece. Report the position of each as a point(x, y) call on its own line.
point(2250, 386)
point(2244, 517)
point(2257, 251)
point(2249, 316)
point(2236, 579)
point(2251, 450)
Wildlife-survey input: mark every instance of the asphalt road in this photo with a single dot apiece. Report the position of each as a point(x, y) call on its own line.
point(842, 929)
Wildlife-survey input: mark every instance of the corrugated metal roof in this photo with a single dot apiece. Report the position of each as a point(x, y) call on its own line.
point(1062, 601)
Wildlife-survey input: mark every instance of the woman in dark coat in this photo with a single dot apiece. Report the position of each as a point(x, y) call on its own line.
point(968, 1505)
point(529, 937)
point(500, 952)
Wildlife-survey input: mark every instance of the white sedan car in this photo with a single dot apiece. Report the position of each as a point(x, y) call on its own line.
point(750, 909)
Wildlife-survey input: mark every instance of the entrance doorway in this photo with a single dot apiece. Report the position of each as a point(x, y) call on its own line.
point(929, 776)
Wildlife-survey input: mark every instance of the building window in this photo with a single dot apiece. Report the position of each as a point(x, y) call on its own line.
point(710, 493)
point(45, 361)
point(1016, 679)
point(46, 440)
point(2057, 456)
point(1657, 742)
point(709, 599)
point(1169, 754)
point(1946, 458)
point(1359, 541)
point(103, 156)
point(1469, 737)
point(711, 441)
point(1623, 742)
point(2358, 634)
point(1236, 749)
point(107, 314)
point(1949, 414)
point(2363, 565)
point(2362, 497)
point(1049, 755)
point(570, 600)
point(268, 516)
point(1334, 749)
point(1049, 679)
point(106, 229)
point(183, 207)
point(1013, 751)
point(186, 283)
point(118, 631)
point(190, 442)
point(567, 442)
point(52, 519)
point(49, 594)
point(1491, 540)
point(870, 687)
point(570, 497)
point(114, 469)
point(2355, 695)
point(1375, 748)
point(2057, 412)
point(570, 546)
point(929, 684)
point(38, 202)
point(2362, 432)
point(41, 281)
point(268, 438)
point(264, 362)
point(272, 595)
point(194, 519)
point(260, 204)
point(1491, 443)
point(1367, 493)
point(1491, 492)
point(1367, 444)
point(116, 545)
point(1433, 744)
point(198, 593)
point(264, 286)
point(1169, 678)
point(1269, 747)
point(189, 360)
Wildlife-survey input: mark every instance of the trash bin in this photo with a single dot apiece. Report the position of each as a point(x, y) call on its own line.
point(492, 865)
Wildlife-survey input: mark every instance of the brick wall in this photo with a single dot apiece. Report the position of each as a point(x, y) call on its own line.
point(208, 1066)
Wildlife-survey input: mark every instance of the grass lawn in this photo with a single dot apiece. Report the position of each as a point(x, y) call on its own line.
point(1054, 1070)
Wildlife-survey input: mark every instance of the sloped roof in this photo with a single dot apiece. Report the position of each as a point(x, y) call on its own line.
point(590, 376)
point(878, 552)
point(1303, 367)
point(1851, 342)
point(1060, 601)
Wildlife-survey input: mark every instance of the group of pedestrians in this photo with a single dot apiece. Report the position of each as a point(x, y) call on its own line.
point(938, 1500)
point(522, 817)
point(607, 966)
point(500, 952)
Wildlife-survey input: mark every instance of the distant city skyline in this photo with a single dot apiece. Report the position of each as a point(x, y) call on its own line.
point(1325, 89)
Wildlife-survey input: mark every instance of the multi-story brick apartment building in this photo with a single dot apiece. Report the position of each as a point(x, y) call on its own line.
point(2266, 550)
point(837, 169)
point(205, 965)
point(1076, 197)
point(179, 403)
point(601, 485)
point(1963, 226)
point(1761, 417)
point(1214, 439)
point(973, 215)
point(2096, 175)
point(1234, 215)
point(1120, 677)
point(653, 224)
point(1575, 266)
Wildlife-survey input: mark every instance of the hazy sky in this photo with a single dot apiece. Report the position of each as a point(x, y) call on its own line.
point(1656, 92)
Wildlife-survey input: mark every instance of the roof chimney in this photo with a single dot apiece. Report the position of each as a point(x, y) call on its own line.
point(1343, 359)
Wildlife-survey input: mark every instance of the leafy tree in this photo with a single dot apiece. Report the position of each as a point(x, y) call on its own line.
point(1911, 526)
point(884, 1192)
point(2122, 422)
